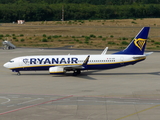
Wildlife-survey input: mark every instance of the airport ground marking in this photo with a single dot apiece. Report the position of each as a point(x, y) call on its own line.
point(138, 112)
point(34, 105)
point(8, 100)
point(29, 101)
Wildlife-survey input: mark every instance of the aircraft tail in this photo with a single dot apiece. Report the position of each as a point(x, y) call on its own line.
point(138, 44)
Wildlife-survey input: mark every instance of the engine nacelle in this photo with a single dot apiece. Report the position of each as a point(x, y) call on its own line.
point(56, 70)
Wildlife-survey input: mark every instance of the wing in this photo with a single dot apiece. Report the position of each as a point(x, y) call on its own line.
point(75, 67)
point(63, 69)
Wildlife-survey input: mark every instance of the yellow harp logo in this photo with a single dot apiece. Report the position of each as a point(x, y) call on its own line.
point(140, 42)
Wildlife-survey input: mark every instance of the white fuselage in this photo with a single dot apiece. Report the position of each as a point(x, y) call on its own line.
point(27, 63)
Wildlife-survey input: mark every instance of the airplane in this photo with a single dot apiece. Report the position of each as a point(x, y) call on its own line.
point(61, 64)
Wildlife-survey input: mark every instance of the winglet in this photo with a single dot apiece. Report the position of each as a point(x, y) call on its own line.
point(104, 51)
point(86, 61)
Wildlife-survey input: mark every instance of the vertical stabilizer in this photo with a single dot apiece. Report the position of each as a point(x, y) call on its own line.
point(138, 44)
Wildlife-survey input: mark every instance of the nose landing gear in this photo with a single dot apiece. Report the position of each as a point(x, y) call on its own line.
point(18, 73)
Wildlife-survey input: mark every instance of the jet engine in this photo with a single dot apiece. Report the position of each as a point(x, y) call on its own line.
point(56, 70)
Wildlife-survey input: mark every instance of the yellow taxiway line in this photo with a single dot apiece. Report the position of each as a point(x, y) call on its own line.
point(138, 112)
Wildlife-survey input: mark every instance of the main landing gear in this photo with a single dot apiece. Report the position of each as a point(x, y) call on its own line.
point(18, 73)
point(76, 72)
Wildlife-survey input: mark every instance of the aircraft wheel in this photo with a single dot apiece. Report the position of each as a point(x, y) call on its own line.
point(78, 72)
point(64, 71)
point(18, 73)
point(74, 74)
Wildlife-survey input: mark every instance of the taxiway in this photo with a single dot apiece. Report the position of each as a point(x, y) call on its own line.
point(128, 93)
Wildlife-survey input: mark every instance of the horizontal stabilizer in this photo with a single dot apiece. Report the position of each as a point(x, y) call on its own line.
point(142, 56)
point(146, 54)
point(139, 57)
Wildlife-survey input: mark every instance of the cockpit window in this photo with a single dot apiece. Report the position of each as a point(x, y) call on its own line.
point(11, 61)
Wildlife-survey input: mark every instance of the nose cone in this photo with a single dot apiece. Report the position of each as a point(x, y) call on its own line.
point(6, 65)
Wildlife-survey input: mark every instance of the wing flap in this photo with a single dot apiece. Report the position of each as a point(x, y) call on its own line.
point(73, 67)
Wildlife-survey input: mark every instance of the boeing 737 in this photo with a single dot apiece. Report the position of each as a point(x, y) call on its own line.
point(56, 64)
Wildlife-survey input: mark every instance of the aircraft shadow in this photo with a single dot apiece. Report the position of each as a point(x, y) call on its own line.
point(152, 73)
point(89, 75)
point(30, 73)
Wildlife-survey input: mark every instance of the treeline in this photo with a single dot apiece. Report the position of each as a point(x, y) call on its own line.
point(94, 2)
point(51, 12)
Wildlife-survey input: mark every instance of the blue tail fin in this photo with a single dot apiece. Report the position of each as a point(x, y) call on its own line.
point(138, 44)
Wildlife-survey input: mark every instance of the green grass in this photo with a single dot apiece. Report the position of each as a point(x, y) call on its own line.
point(90, 34)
